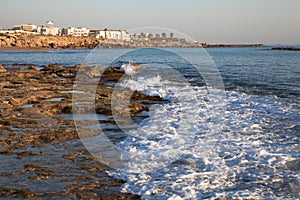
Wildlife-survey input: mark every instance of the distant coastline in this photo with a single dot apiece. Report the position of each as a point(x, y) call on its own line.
point(46, 43)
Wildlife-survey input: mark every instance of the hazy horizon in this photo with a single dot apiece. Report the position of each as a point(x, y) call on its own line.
point(215, 21)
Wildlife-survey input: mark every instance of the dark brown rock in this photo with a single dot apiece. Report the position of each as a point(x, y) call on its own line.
point(33, 106)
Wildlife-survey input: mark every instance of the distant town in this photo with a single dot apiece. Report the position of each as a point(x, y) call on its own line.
point(51, 30)
point(50, 36)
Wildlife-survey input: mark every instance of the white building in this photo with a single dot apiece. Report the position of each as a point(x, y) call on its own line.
point(49, 29)
point(22, 29)
point(76, 31)
point(25, 27)
point(113, 35)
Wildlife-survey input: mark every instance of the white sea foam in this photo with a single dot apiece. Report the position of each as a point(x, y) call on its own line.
point(183, 151)
point(131, 68)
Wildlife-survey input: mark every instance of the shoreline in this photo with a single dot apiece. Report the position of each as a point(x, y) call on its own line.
point(50, 43)
point(38, 131)
point(46, 49)
point(26, 49)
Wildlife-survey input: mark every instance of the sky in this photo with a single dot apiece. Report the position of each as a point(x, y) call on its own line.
point(212, 21)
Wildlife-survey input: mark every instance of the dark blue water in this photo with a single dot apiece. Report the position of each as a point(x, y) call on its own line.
point(251, 70)
point(61, 57)
point(259, 70)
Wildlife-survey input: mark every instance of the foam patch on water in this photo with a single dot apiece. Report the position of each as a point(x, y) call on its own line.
point(188, 156)
point(151, 86)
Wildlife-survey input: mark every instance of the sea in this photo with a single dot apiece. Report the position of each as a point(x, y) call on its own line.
point(229, 128)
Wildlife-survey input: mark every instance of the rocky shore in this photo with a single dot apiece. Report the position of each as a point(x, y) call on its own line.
point(40, 151)
point(67, 42)
point(47, 42)
point(44, 43)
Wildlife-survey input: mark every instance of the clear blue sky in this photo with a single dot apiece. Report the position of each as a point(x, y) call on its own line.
point(213, 21)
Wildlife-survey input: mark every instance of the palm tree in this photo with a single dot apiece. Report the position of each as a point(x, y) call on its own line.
point(142, 35)
point(150, 35)
point(164, 36)
point(172, 35)
point(134, 37)
point(157, 37)
point(105, 33)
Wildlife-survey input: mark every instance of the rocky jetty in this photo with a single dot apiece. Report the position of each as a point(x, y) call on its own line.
point(231, 45)
point(41, 153)
point(286, 48)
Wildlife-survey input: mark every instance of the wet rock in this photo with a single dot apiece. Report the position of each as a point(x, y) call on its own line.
point(8, 192)
point(33, 67)
point(293, 165)
point(73, 156)
point(4, 147)
point(25, 194)
point(42, 173)
point(33, 104)
point(53, 68)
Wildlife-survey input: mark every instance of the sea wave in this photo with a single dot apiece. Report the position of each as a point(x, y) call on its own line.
point(185, 150)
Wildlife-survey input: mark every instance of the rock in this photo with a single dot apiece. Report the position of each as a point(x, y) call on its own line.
point(33, 67)
point(25, 194)
point(2, 69)
point(28, 106)
point(30, 100)
point(53, 68)
point(94, 72)
point(3, 145)
point(293, 165)
point(138, 67)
